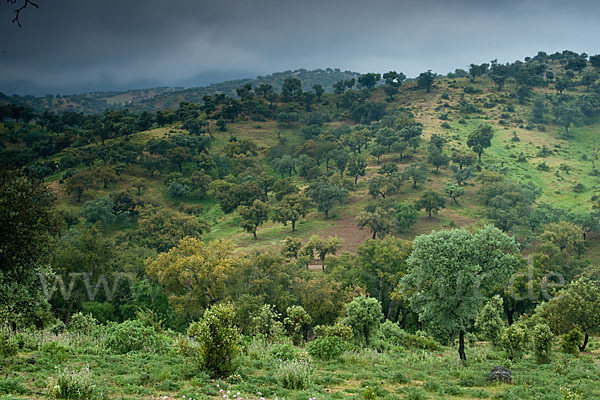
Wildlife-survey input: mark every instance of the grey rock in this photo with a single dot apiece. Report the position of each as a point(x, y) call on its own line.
point(500, 374)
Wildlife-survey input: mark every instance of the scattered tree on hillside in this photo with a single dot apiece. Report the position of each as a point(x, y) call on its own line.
point(325, 195)
point(454, 191)
point(253, 216)
point(415, 172)
point(480, 139)
point(369, 80)
point(432, 202)
point(291, 208)
point(425, 80)
point(378, 219)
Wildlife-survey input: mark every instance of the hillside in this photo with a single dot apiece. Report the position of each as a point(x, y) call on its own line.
point(161, 98)
point(516, 149)
point(293, 243)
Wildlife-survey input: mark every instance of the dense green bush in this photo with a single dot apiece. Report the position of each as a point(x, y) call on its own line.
point(294, 375)
point(420, 340)
point(83, 324)
point(338, 329)
point(8, 344)
point(363, 314)
point(326, 347)
point(217, 339)
point(489, 322)
point(542, 343)
point(72, 384)
point(297, 321)
point(513, 340)
point(283, 351)
point(102, 312)
point(134, 335)
point(390, 332)
point(58, 327)
point(571, 341)
point(266, 322)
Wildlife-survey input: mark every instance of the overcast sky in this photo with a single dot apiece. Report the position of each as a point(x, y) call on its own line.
point(69, 46)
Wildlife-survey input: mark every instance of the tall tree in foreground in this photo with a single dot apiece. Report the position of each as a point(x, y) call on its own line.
point(195, 274)
point(28, 222)
point(453, 273)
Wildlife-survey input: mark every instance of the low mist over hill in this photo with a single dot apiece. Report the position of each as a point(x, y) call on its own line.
point(162, 98)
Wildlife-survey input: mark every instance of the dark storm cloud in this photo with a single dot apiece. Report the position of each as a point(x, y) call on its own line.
point(72, 45)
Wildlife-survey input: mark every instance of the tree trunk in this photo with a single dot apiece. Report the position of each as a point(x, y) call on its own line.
point(293, 225)
point(254, 233)
point(452, 338)
point(374, 235)
point(461, 345)
point(355, 179)
point(509, 316)
point(390, 309)
point(585, 342)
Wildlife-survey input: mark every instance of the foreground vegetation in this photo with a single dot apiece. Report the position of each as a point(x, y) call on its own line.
point(282, 242)
point(272, 367)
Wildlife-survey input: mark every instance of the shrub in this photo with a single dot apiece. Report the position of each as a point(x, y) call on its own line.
point(56, 350)
point(369, 393)
point(294, 375)
point(513, 341)
point(58, 327)
point(446, 125)
point(12, 386)
point(297, 321)
point(471, 90)
point(72, 384)
point(489, 322)
point(8, 344)
point(83, 324)
point(420, 340)
point(131, 335)
point(326, 347)
point(266, 322)
point(571, 341)
point(283, 351)
point(178, 190)
point(102, 312)
point(218, 339)
point(542, 342)
point(363, 314)
point(579, 188)
point(543, 167)
point(338, 329)
point(392, 333)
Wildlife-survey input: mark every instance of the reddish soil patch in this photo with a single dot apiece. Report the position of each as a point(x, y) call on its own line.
point(345, 228)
